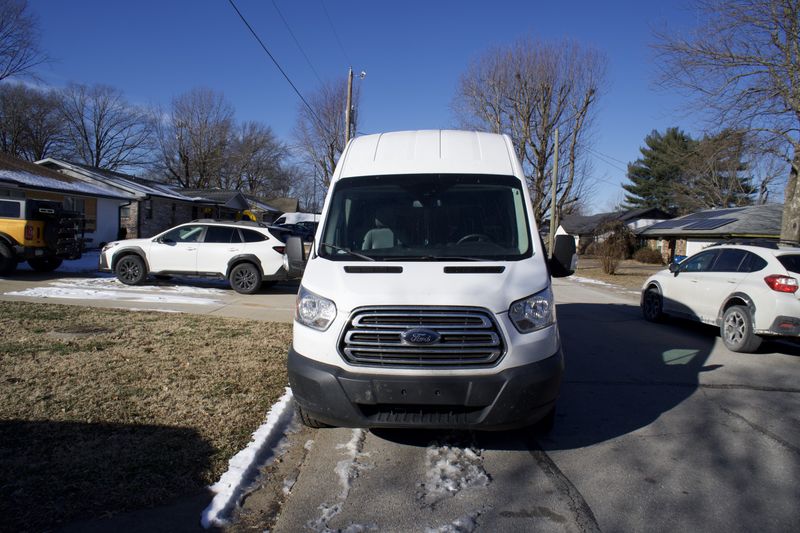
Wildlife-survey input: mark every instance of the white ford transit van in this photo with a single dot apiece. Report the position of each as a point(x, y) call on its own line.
point(426, 298)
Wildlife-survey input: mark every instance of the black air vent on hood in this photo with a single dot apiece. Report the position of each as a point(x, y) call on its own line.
point(353, 269)
point(474, 270)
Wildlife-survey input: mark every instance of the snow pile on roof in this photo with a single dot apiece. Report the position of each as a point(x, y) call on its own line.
point(244, 464)
point(42, 182)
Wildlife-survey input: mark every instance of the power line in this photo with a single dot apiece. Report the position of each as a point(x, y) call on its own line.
point(608, 160)
point(264, 47)
point(335, 34)
point(285, 23)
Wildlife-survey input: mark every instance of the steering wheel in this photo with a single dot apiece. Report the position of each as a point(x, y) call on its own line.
point(477, 237)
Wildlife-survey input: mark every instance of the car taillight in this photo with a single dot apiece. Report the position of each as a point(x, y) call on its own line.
point(781, 283)
point(28, 232)
point(279, 249)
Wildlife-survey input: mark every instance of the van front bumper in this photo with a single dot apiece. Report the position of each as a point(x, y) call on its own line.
point(512, 398)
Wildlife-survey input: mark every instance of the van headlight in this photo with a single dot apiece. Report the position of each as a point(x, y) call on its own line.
point(313, 310)
point(534, 312)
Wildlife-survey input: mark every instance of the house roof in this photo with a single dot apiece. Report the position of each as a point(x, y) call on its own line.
point(587, 224)
point(260, 203)
point(24, 174)
point(749, 221)
point(116, 181)
point(232, 199)
point(285, 205)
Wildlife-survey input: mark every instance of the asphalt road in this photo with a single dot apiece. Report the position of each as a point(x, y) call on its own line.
point(659, 428)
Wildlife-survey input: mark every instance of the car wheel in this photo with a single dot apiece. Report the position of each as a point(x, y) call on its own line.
point(652, 305)
point(308, 420)
point(130, 270)
point(245, 278)
point(737, 330)
point(45, 264)
point(8, 263)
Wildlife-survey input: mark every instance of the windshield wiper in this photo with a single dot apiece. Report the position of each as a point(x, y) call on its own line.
point(348, 251)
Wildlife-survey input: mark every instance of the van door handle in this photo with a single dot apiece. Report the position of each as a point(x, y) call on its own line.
point(191, 249)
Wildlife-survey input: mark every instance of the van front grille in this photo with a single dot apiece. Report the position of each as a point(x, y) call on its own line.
point(376, 336)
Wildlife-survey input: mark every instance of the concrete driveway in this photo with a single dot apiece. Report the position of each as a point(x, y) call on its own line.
point(659, 428)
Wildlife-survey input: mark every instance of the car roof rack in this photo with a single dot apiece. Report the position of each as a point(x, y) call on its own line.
point(250, 223)
point(773, 244)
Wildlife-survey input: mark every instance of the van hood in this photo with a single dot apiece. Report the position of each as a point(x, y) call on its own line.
point(353, 284)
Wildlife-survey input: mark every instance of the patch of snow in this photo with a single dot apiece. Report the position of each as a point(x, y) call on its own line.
point(449, 470)
point(112, 289)
point(348, 470)
point(464, 524)
point(88, 262)
point(593, 281)
point(266, 441)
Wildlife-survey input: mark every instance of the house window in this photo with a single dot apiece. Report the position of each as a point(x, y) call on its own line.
point(125, 211)
point(148, 209)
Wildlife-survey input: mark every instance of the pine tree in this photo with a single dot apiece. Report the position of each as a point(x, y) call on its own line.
point(657, 176)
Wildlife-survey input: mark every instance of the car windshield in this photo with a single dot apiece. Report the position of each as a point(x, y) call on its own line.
point(427, 217)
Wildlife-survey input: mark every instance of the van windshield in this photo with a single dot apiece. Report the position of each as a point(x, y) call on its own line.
point(427, 217)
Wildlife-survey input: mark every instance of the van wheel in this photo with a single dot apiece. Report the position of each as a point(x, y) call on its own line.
point(308, 420)
point(8, 263)
point(45, 264)
point(245, 278)
point(737, 330)
point(652, 305)
point(130, 270)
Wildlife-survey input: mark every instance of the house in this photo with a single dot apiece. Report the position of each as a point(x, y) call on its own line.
point(152, 206)
point(584, 228)
point(263, 209)
point(100, 206)
point(691, 233)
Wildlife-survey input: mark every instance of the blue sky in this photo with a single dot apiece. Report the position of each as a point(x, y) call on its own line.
point(413, 52)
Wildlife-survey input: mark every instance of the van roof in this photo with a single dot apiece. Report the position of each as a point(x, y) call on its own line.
point(428, 152)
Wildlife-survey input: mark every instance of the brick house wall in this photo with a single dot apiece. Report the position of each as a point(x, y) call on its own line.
point(150, 217)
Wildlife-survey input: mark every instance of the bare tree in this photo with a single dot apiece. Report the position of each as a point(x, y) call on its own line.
point(19, 36)
point(743, 63)
point(194, 138)
point(527, 90)
point(31, 125)
point(320, 131)
point(255, 160)
point(103, 129)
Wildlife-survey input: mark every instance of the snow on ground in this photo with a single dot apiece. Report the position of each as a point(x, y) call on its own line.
point(348, 469)
point(449, 470)
point(463, 524)
point(111, 289)
point(267, 443)
point(590, 281)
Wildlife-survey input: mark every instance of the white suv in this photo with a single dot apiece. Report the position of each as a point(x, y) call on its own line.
point(248, 254)
point(749, 291)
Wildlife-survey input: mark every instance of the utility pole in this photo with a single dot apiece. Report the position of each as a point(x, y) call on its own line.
point(347, 116)
point(554, 179)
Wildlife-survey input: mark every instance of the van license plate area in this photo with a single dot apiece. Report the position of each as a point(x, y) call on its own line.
point(421, 392)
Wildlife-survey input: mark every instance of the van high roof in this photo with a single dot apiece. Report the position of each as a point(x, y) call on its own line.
point(426, 152)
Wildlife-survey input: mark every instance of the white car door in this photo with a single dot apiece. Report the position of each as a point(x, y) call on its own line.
point(681, 292)
point(176, 250)
point(719, 282)
point(219, 246)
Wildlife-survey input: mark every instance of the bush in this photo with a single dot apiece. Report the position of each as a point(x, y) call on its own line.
point(649, 256)
point(616, 244)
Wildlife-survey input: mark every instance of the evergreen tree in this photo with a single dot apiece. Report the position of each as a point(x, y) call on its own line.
point(657, 176)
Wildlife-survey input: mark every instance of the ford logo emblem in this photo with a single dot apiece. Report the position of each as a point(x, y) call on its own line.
point(420, 336)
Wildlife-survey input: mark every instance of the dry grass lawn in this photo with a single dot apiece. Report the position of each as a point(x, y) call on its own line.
point(630, 274)
point(104, 410)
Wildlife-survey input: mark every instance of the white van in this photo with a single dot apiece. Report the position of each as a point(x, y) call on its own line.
point(426, 299)
point(294, 218)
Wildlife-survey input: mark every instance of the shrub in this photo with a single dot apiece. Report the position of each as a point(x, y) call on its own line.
point(649, 256)
point(616, 244)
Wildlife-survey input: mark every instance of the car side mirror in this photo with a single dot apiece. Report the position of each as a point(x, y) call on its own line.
point(294, 257)
point(674, 268)
point(564, 259)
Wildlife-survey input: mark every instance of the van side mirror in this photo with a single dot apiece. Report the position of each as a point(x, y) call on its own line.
point(294, 257)
point(563, 260)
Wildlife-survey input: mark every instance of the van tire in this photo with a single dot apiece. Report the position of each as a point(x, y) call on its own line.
point(308, 420)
